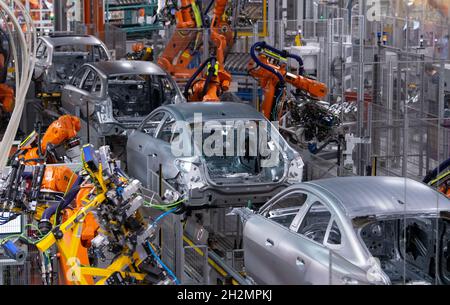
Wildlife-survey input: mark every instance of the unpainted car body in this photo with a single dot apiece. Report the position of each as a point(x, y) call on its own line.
point(117, 95)
point(350, 230)
point(210, 180)
point(58, 56)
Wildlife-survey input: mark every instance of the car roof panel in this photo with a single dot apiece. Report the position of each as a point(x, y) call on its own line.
point(373, 196)
point(62, 40)
point(214, 111)
point(123, 67)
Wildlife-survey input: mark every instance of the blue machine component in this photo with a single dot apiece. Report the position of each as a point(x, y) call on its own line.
point(119, 191)
point(89, 157)
point(12, 251)
point(312, 147)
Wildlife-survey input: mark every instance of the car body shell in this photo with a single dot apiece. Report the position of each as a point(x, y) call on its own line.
point(50, 75)
point(78, 100)
point(146, 153)
point(277, 254)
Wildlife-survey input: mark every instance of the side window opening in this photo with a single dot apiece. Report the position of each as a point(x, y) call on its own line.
point(151, 124)
point(334, 235)
point(315, 223)
point(284, 210)
point(165, 133)
point(41, 52)
point(88, 83)
point(77, 78)
point(97, 88)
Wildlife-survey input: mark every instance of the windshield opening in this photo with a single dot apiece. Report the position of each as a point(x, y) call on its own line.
point(240, 150)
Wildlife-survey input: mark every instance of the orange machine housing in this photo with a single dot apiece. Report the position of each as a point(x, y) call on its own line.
point(177, 56)
point(64, 128)
point(94, 16)
point(89, 231)
point(6, 92)
point(58, 178)
point(7, 98)
point(222, 37)
point(269, 82)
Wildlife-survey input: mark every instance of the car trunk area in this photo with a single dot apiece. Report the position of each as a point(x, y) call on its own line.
point(413, 250)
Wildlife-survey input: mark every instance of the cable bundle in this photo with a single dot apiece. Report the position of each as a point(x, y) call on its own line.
point(24, 53)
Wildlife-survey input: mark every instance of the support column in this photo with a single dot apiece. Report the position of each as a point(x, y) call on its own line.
point(60, 13)
point(271, 22)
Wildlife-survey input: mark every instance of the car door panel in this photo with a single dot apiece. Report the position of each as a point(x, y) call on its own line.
point(260, 243)
point(142, 152)
point(310, 261)
point(163, 155)
point(70, 98)
point(72, 93)
point(168, 161)
point(291, 265)
point(139, 150)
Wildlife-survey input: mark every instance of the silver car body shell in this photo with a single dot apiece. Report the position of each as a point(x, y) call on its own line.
point(221, 195)
point(43, 68)
point(346, 198)
point(105, 124)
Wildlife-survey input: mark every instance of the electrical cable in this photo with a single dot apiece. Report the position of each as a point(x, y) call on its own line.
point(24, 72)
point(164, 207)
point(158, 219)
point(255, 58)
point(175, 279)
point(194, 76)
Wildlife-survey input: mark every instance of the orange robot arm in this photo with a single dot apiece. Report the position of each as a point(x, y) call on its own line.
point(184, 17)
point(7, 98)
point(64, 128)
point(269, 69)
point(58, 178)
point(313, 87)
point(175, 57)
point(268, 82)
point(217, 25)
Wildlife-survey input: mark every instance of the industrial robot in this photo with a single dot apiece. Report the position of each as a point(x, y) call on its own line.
point(184, 42)
point(187, 40)
point(124, 241)
point(304, 118)
point(209, 84)
point(269, 67)
point(38, 178)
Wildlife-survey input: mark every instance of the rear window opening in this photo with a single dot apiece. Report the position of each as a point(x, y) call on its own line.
point(137, 95)
point(407, 249)
point(68, 58)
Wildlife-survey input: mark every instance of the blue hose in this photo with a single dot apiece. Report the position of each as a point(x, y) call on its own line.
point(175, 279)
point(255, 58)
point(194, 76)
point(301, 69)
point(70, 196)
point(264, 45)
point(287, 55)
point(158, 219)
